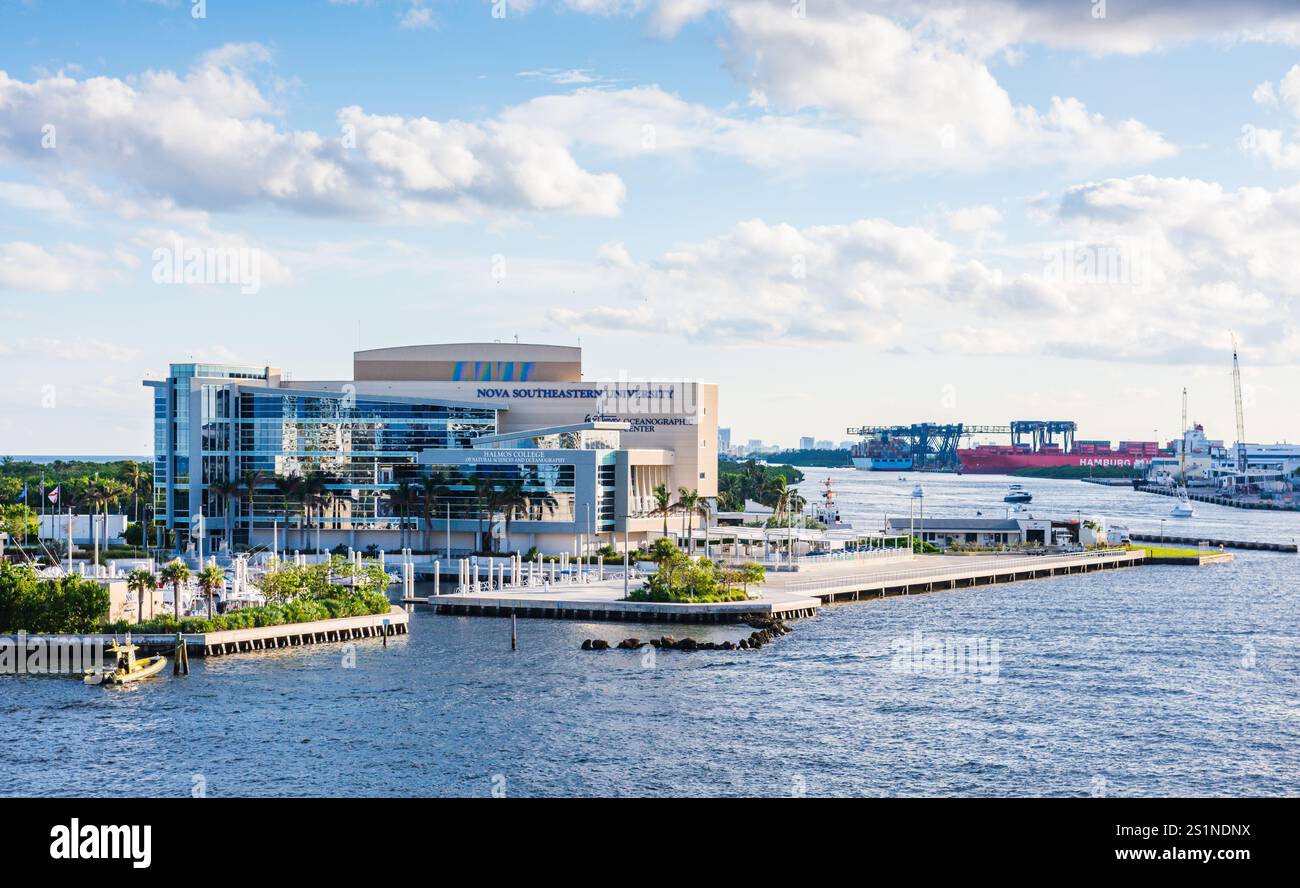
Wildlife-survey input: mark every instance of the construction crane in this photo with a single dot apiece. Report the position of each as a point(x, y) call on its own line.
point(1236, 394)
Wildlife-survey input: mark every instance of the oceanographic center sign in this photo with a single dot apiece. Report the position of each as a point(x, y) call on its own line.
point(645, 408)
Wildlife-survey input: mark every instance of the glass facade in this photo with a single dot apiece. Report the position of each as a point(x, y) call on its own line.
point(366, 462)
point(172, 437)
point(529, 491)
point(362, 448)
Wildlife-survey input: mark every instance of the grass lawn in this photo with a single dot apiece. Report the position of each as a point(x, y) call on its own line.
point(1165, 552)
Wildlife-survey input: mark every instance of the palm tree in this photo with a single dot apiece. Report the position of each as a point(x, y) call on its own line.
point(249, 484)
point(779, 494)
point(114, 493)
point(176, 572)
point(691, 504)
point(663, 503)
point(227, 490)
point(133, 474)
point(484, 495)
point(141, 581)
point(211, 578)
point(400, 502)
point(290, 489)
point(511, 498)
point(434, 486)
point(91, 495)
point(540, 502)
point(795, 503)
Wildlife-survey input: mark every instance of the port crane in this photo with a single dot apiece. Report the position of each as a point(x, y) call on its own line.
point(932, 444)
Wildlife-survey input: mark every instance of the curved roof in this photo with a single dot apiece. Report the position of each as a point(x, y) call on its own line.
point(470, 361)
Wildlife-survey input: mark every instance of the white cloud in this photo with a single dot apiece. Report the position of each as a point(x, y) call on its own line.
point(1141, 269)
point(34, 197)
point(970, 220)
point(209, 140)
point(918, 99)
point(1273, 147)
point(34, 268)
point(761, 281)
point(81, 348)
point(989, 27)
point(416, 17)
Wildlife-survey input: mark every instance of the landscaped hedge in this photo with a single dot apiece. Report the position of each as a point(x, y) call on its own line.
point(359, 604)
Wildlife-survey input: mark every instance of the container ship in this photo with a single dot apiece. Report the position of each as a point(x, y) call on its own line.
point(1002, 459)
point(883, 455)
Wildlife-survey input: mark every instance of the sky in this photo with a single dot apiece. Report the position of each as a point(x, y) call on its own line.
point(843, 213)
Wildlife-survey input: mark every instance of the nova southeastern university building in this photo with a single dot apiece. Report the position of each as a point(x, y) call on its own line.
point(448, 446)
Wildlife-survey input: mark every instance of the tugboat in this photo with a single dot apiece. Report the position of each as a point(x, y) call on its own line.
point(126, 669)
point(1016, 493)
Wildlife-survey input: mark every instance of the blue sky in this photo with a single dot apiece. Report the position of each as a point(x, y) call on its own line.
point(870, 212)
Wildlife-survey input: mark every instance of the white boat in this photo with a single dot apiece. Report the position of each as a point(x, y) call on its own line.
point(1183, 508)
point(1016, 493)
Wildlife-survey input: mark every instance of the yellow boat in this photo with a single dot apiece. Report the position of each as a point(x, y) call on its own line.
point(126, 669)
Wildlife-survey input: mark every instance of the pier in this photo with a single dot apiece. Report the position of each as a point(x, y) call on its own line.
point(604, 601)
point(1202, 541)
point(1219, 500)
point(958, 572)
point(790, 595)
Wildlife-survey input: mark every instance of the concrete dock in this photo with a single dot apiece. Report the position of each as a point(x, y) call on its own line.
point(785, 595)
point(1167, 540)
point(941, 572)
point(603, 601)
point(210, 644)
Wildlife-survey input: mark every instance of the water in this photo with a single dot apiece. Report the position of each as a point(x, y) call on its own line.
point(1151, 681)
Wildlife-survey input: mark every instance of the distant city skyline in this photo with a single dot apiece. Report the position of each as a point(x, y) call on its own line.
point(843, 213)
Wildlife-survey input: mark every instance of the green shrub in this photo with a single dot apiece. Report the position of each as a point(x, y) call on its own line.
point(68, 604)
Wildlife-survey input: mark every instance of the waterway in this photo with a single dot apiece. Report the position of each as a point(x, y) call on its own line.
point(1145, 682)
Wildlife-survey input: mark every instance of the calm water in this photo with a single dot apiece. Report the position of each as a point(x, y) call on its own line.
point(1154, 681)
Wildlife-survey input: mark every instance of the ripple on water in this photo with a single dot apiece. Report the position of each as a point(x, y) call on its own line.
point(1160, 681)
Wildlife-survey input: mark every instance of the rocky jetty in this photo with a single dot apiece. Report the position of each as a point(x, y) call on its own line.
point(765, 632)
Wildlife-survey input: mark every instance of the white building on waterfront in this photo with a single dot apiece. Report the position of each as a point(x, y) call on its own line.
point(460, 446)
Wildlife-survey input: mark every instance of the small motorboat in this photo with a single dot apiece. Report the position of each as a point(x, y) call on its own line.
point(126, 668)
point(1016, 493)
point(1183, 508)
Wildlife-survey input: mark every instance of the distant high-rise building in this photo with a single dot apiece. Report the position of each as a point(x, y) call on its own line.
point(807, 443)
point(724, 440)
point(825, 445)
point(754, 445)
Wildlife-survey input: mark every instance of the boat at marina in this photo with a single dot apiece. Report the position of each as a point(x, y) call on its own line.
point(126, 668)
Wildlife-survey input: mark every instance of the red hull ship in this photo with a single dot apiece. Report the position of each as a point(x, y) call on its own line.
point(1000, 459)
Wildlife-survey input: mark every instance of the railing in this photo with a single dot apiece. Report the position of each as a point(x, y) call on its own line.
point(840, 555)
point(887, 578)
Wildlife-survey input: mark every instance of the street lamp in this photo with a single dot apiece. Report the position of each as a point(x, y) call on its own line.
point(918, 493)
